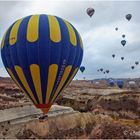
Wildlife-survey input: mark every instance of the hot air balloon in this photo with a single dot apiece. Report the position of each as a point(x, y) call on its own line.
point(42, 54)
point(123, 42)
point(101, 69)
point(82, 69)
point(107, 71)
point(111, 82)
point(116, 29)
point(136, 62)
point(90, 11)
point(128, 17)
point(113, 55)
point(132, 67)
point(97, 83)
point(122, 58)
point(120, 83)
point(123, 36)
point(98, 70)
point(132, 85)
point(104, 72)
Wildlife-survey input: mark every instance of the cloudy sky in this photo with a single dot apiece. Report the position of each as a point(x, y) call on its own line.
point(98, 33)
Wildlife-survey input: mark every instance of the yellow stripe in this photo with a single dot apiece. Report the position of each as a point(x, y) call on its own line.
point(51, 80)
point(24, 82)
point(13, 77)
point(64, 78)
point(81, 42)
point(72, 76)
point(32, 29)
point(3, 39)
point(14, 32)
point(35, 72)
point(55, 33)
point(71, 34)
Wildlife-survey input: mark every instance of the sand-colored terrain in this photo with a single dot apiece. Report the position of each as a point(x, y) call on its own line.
point(83, 110)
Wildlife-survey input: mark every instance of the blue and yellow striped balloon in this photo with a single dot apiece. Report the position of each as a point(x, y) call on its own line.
point(42, 54)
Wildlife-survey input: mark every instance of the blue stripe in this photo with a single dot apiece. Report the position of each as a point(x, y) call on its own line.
point(77, 59)
point(44, 52)
point(64, 54)
point(7, 59)
point(24, 53)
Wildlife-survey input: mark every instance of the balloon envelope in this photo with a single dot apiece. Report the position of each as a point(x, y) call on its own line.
point(132, 67)
point(107, 71)
point(131, 82)
point(128, 16)
point(82, 69)
point(113, 55)
point(101, 69)
point(123, 36)
point(120, 83)
point(90, 11)
point(42, 54)
point(123, 42)
point(122, 58)
point(136, 62)
point(111, 82)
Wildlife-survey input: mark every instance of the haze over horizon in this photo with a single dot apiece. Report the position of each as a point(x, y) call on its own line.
point(100, 38)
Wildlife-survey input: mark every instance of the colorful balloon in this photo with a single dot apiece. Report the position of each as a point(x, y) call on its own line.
point(122, 58)
point(128, 17)
point(132, 67)
point(90, 11)
point(82, 69)
point(101, 69)
point(123, 42)
point(111, 82)
point(107, 71)
point(136, 62)
point(123, 36)
point(42, 54)
point(113, 55)
point(120, 83)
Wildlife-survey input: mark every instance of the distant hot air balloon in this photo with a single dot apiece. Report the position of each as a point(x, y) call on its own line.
point(97, 83)
point(132, 67)
point(120, 83)
point(136, 62)
point(42, 54)
point(128, 17)
point(111, 82)
point(132, 84)
point(122, 58)
point(98, 70)
point(116, 29)
point(104, 72)
point(123, 42)
point(123, 36)
point(82, 69)
point(90, 11)
point(101, 69)
point(113, 55)
point(107, 71)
